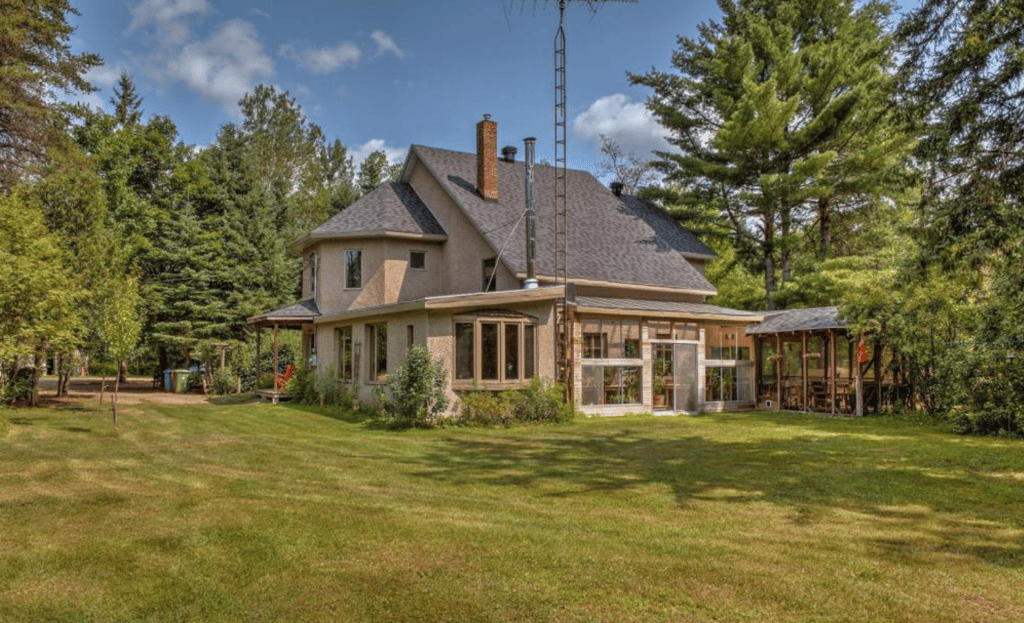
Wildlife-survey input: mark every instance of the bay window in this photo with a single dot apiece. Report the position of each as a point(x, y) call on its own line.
point(494, 350)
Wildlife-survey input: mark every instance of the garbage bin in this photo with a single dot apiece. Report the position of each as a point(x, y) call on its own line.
point(181, 381)
point(167, 380)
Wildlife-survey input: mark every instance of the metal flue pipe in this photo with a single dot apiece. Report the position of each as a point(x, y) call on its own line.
point(531, 227)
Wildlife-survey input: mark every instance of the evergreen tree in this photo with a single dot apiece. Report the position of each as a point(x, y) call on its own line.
point(127, 103)
point(771, 111)
point(373, 171)
point(36, 66)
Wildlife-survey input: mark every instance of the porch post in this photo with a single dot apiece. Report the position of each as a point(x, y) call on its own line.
point(277, 389)
point(779, 361)
point(803, 342)
point(832, 368)
point(259, 333)
point(860, 382)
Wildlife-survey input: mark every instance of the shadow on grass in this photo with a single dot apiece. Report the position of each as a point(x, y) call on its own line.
point(901, 483)
point(349, 416)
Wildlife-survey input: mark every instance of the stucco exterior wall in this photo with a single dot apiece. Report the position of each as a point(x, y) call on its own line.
point(462, 257)
point(434, 329)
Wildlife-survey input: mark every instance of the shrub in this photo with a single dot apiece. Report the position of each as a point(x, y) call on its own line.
point(16, 390)
point(417, 393)
point(485, 408)
point(224, 382)
point(195, 381)
point(540, 401)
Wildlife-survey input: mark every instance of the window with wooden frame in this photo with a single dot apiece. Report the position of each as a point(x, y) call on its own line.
point(353, 269)
point(727, 342)
point(377, 342)
point(494, 350)
point(611, 339)
point(346, 359)
point(312, 273)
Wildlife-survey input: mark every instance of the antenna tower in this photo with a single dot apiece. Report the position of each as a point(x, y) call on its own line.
point(561, 223)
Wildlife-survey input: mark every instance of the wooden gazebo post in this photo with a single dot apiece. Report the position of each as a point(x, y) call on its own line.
point(779, 362)
point(860, 381)
point(259, 333)
point(831, 369)
point(803, 370)
point(277, 389)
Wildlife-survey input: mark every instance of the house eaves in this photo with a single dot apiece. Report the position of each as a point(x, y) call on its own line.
point(449, 302)
point(306, 240)
point(617, 284)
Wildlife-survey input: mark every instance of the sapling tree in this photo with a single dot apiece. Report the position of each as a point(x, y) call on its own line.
point(121, 325)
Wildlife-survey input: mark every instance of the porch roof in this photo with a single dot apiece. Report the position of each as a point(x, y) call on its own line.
point(789, 320)
point(452, 302)
point(302, 312)
point(668, 309)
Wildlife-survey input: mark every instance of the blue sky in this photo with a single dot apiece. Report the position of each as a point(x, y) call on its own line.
point(383, 74)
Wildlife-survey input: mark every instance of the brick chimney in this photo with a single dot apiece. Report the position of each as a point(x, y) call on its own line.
point(487, 159)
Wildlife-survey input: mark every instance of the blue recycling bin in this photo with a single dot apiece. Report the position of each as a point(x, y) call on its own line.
point(167, 380)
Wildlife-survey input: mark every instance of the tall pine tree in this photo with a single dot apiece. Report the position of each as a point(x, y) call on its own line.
point(780, 117)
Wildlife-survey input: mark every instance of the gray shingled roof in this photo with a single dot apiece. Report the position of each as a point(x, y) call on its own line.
point(392, 206)
point(625, 240)
point(296, 312)
point(809, 319)
point(686, 309)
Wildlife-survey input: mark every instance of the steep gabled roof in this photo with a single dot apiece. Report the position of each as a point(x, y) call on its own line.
point(392, 207)
point(610, 239)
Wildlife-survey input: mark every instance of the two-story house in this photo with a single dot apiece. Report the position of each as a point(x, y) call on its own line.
point(439, 258)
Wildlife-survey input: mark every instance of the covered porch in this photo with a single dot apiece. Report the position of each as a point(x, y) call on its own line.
point(297, 316)
point(808, 361)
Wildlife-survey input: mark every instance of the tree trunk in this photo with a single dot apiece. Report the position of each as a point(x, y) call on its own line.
point(37, 374)
point(769, 261)
point(103, 390)
point(825, 223)
point(113, 400)
point(785, 255)
point(122, 370)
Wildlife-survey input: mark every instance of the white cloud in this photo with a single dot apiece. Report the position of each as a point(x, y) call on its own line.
point(360, 152)
point(322, 61)
point(167, 17)
point(628, 123)
point(386, 44)
point(103, 76)
point(223, 67)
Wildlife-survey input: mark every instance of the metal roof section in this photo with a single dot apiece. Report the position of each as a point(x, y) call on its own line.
point(807, 319)
point(674, 309)
point(472, 300)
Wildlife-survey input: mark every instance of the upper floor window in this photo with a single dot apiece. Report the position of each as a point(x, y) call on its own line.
point(418, 259)
point(489, 278)
point(312, 273)
point(353, 269)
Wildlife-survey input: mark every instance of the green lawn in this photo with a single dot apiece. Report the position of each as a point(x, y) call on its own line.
point(273, 513)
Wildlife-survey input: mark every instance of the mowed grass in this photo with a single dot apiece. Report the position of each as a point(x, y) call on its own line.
point(276, 513)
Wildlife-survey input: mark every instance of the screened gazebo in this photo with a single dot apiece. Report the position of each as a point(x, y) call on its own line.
point(807, 361)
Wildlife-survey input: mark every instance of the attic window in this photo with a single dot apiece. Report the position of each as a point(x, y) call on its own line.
point(489, 278)
point(418, 259)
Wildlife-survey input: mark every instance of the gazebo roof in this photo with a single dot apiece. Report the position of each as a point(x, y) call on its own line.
point(789, 320)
